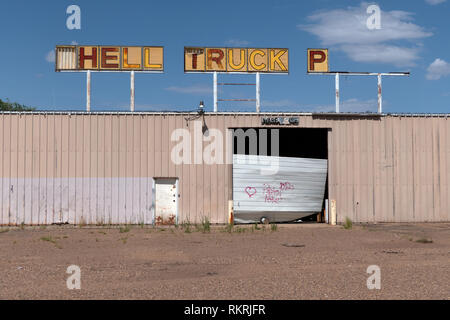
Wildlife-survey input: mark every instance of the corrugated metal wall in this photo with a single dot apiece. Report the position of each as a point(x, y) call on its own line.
point(99, 167)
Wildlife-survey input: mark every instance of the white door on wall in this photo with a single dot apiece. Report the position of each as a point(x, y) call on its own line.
point(166, 200)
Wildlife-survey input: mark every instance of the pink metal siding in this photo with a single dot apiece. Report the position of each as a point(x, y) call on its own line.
point(98, 168)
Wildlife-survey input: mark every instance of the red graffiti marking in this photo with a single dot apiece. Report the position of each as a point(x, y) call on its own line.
point(286, 186)
point(271, 194)
point(251, 191)
point(274, 194)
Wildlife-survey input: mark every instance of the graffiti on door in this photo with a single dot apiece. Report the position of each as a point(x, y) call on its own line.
point(271, 193)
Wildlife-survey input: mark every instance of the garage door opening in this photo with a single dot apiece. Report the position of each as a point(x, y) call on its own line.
point(280, 174)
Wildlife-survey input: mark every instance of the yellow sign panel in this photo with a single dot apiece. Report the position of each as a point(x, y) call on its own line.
point(215, 59)
point(237, 60)
point(318, 60)
point(109, 58)
point(201, 59)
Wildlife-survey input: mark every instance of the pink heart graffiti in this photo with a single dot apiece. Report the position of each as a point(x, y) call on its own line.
point(251, 191)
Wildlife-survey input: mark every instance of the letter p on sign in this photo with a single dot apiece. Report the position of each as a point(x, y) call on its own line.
point(318, 60)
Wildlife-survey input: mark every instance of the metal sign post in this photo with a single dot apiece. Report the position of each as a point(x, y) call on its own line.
point(132, 91)
point(345, 73)
point(258, 93)
point(257, 99)
point(380, 99)
point(88, 91)
point(215, 90)
point(337, 92)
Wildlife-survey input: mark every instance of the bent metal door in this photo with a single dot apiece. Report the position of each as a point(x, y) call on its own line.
point(166, 204)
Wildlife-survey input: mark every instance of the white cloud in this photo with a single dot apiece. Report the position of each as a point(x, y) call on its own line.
point(439, 68)
point(50, 56)
point(237, 43)
point(194, 89)
point(346, 30)
point(74, 43)
point(434, 2)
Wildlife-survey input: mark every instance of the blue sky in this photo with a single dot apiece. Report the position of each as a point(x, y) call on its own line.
point(414, 36)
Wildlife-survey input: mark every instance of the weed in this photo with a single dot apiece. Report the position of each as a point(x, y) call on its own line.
point(274, 227)
point(102, 232)
point(186, 225)
point(348, 224)
point(50, 239)
point(4, 230)
point(65, 237)
point(256, 227)
point(124, 229)
point(424, 240)
point(43, 227)
point(206, 225)
point(229, 227)
point(240, 230)
point(96, 240)
point(22, 226)
point(124, 240)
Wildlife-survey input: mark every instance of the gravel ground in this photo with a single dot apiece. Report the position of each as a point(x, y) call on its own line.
point(302, 261)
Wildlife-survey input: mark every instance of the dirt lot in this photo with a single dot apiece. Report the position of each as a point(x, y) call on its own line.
point(304, 261)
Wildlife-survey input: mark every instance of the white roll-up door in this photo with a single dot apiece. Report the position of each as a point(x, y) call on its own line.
point(278, 188)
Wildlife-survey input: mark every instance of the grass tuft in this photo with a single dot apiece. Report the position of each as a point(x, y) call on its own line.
point(206, 225)
point(229, 227)
point(186, 226)
point(273, 227)
point(50, 239)
point(125, 229)
point(348, 224)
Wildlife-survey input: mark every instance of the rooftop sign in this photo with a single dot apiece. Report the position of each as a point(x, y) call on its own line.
point(109, 58)
point(318, 60)
point(243, 60)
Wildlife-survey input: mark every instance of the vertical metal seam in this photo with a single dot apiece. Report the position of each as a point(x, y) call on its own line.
point(393, 172)
point(24, 170)
point(118, 169)
point(3, 169)
point(39, 172)
point(89, 155)
point(17, 170)
point(432, 169)
point(55, 165)
point(413, 154)
point(126, 169)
